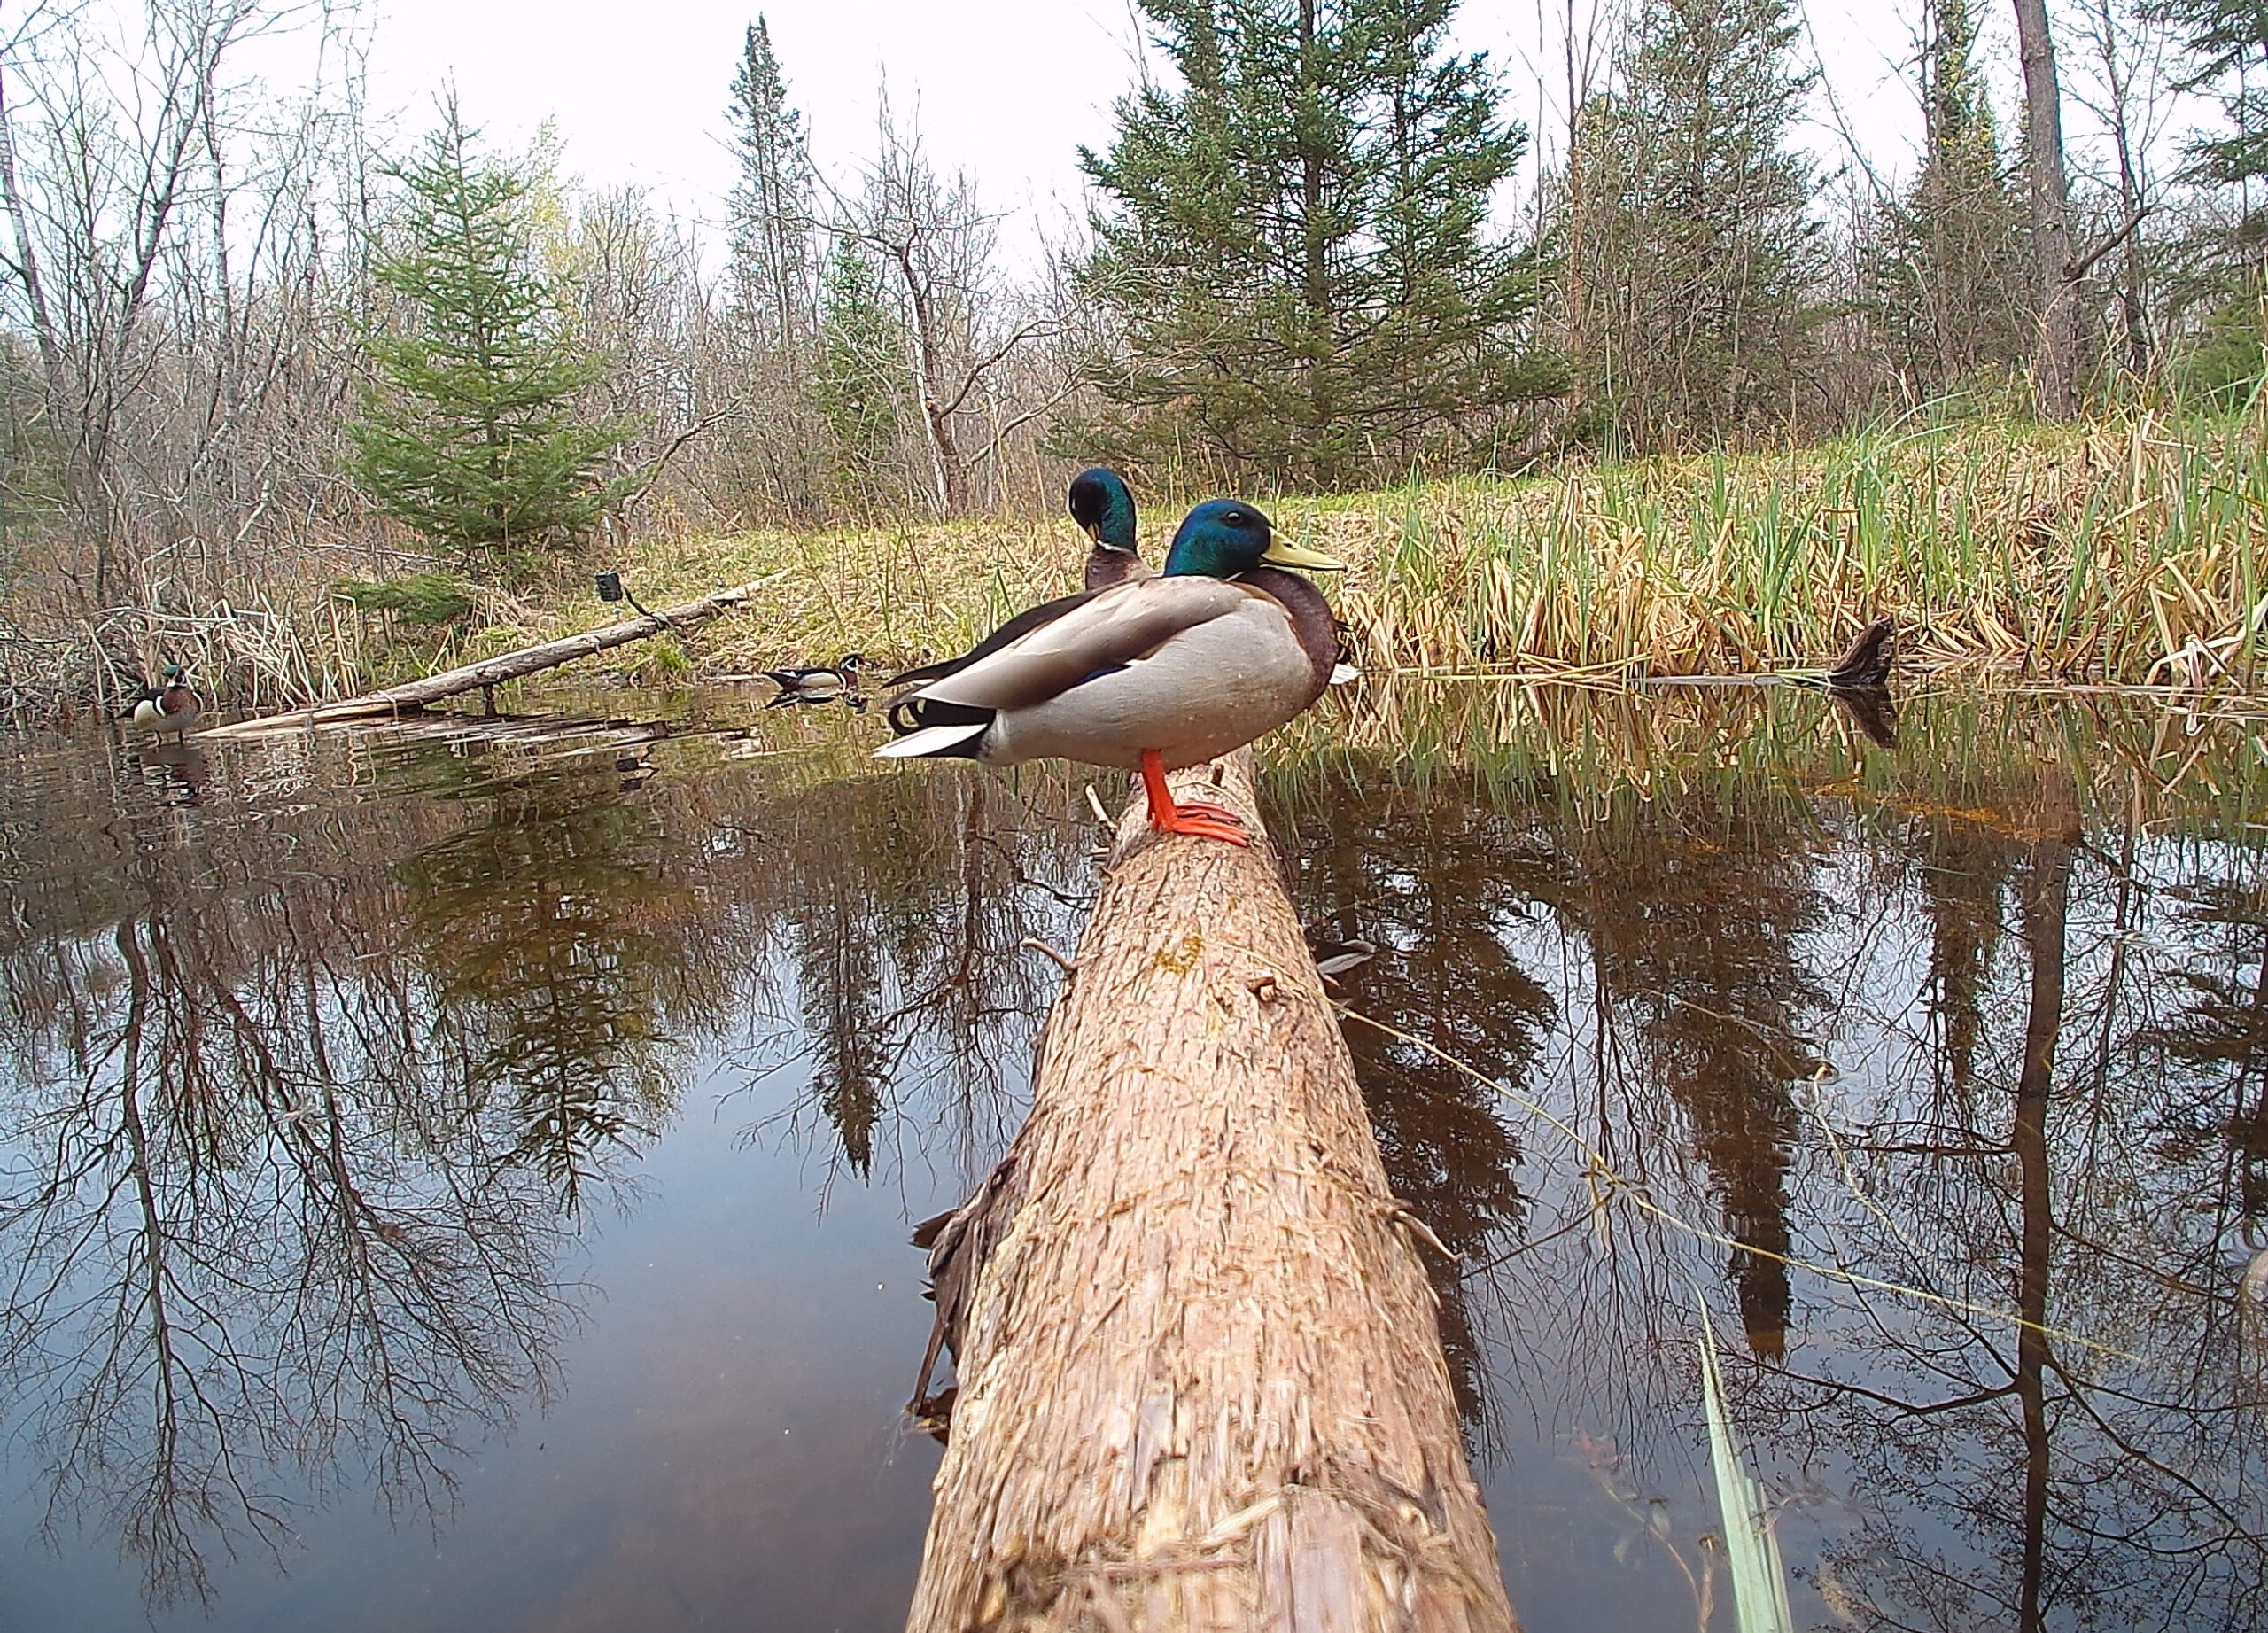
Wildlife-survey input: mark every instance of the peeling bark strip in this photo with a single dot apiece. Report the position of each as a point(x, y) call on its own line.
point(1201, 1384)
point(412, 695)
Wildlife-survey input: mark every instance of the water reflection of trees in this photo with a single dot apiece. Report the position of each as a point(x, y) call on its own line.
point(306, 1094)
point(255, 1230)
point(908, 899)
point(1428, 876)
point(559, 946)
point(2042, 1033)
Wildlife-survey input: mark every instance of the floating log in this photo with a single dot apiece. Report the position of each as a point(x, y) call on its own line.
point(1201, 1379)
point(412, 695)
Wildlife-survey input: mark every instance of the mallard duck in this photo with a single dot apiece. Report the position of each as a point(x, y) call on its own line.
point(1151, 675)
point(1103, 507)
point(172, 707)
point(817, 684)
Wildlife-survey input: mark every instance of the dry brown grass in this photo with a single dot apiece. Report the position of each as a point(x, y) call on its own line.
point(2129, 551)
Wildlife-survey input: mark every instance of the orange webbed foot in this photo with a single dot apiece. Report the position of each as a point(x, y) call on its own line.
point(1199, 817)
point(1210, 812)
point(1200, 821)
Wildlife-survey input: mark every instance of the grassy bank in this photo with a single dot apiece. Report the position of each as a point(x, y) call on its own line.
point(2130, 551)
point(2098, 552)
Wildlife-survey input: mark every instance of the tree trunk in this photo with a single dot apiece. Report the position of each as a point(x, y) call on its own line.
point(2055, 370)
point(936, 419)
point(1201, 1384)
point(1314, 276)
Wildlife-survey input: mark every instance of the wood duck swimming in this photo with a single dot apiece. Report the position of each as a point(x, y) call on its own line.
point(172, 707)
point(818, 684)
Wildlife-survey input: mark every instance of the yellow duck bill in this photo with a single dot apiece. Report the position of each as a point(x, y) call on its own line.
point(1282, 552)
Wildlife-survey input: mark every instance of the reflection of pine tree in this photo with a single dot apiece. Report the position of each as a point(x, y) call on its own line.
point(2222, 1034)
point(544, 931)
point(1963, 866)
point(1431, 884)
point(839, 976)
point(1695, 937)
point(902, 925)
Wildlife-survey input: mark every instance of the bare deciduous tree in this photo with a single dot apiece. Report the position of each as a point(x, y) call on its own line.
point(938, 244)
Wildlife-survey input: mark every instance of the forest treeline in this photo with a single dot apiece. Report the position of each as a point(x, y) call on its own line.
point(259, 352)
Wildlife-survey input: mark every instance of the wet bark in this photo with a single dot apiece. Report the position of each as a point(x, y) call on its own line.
point(1201, 1383)
point(1866, 666)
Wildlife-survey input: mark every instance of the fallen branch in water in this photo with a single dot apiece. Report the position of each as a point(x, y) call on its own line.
point(491, 672)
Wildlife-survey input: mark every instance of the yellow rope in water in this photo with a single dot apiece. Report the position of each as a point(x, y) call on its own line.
point(1599, 1165)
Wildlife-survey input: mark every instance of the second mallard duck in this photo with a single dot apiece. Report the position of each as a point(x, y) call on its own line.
point(1103, 506)
point(1152, 675)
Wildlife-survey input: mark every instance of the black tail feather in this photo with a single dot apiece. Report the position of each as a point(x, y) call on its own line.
point(909, 715)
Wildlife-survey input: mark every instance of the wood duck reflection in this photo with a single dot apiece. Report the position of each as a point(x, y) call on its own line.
point(175, 770)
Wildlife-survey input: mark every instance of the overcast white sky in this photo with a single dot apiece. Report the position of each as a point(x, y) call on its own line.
point(1006, 89)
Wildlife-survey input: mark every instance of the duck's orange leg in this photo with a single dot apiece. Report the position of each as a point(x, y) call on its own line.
point(1207, 821)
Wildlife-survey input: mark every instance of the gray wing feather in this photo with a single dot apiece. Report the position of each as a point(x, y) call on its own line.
point(1119, 625)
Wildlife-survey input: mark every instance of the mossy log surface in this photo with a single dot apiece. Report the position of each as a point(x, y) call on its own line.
point(1202, 1380)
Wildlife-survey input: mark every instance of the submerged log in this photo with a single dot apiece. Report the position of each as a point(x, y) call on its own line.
point(1201, 1385)
point(1866, 666)
point(412, 695)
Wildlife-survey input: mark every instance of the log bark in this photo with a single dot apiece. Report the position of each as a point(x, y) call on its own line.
point(1865, 666)
point(412, 695)
point(1201, 1385)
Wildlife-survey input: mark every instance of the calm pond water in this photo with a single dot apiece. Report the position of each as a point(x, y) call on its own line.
point(453, 1181)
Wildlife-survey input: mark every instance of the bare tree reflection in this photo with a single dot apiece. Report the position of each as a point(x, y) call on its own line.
point(2099, 1461)
point(1925, 1022)
point(300, 1122)
point(226, 1261)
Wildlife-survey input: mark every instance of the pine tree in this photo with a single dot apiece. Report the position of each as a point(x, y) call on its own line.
point(467, 433)
point(1297, 245)
point(1697, 252)
point(1954, 287)
point(858, 383)
point(2227, 352)
point(2228, 41)
point(769, 210)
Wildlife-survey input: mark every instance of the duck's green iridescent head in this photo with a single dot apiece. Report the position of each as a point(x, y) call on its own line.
point(1225, 537)
point(1102, 505)
point(174, 673)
